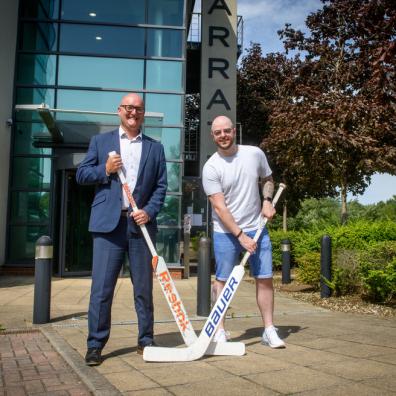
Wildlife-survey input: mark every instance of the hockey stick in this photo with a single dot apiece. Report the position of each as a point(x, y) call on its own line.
point(169, 289)
point(197, 350)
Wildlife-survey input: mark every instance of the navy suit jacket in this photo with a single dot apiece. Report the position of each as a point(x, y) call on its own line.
point(149, 192)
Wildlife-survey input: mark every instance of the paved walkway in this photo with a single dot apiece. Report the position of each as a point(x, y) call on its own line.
point(30, 365)
point(328, 353)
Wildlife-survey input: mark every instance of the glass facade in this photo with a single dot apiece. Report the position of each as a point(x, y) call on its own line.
point(85, 55)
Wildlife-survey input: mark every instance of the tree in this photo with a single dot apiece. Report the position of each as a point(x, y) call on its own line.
point(336, 125)
point(260, 80)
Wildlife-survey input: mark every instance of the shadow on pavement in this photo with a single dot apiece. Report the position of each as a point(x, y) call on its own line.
point(255, 332)
point(80, 315)
point(119, 352)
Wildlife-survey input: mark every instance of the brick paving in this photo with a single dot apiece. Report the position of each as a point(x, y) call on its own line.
point(29, 365)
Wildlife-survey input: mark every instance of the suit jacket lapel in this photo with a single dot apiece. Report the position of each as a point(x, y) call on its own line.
point(115, 142)
point(146, 146)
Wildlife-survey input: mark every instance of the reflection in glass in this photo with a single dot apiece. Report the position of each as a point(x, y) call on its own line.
point(78, 240)
point(23, 138)
point(30, 207)
point(106, 40)
point(170, 139)
point(36, 69)
point(118, 11)
point(165, 12)
point(164, 75)
point(101, 72)
point(22, 241)
point(169, 214)
point(168, 104)
point(89, 100)
point(35, 96)
point(173, 173)
point(31, 173)
point(38, 36)
point(165, 43)
point(168, 245)
point(40, 9)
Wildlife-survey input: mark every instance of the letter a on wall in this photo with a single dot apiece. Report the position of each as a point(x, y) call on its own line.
point(218, 67)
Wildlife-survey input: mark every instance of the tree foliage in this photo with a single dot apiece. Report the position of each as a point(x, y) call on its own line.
point(331, 110)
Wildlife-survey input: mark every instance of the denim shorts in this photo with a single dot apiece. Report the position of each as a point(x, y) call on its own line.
point(227, 250)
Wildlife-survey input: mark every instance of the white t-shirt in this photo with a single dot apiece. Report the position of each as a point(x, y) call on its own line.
point(237, 177)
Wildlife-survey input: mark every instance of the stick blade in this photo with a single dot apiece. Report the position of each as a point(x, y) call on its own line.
point(162, 354)
point(226, 349)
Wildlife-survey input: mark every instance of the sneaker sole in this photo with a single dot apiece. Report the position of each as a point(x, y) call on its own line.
point(93, 363)
point(273, 347)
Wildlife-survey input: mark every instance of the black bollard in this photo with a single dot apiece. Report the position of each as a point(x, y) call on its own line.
point(42, 280)
point(285, 247)
point(203, 287)
point(325, 266)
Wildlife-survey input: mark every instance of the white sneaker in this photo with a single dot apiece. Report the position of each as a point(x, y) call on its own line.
point(271, 338)
point(220, 336)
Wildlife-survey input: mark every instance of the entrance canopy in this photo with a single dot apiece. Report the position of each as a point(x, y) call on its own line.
point(74, 128)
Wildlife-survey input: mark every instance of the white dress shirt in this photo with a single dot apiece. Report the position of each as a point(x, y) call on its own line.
point(131, 152)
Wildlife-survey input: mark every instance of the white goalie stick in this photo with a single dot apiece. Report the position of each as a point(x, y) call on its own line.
point(171, 295)
point(198, 348)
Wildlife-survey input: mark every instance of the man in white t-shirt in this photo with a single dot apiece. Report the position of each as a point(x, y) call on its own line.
point(231, 181)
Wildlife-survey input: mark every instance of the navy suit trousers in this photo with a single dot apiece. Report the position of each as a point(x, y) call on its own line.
point(108, 256)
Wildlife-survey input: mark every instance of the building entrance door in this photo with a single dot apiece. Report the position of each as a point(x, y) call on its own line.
point(75, 241)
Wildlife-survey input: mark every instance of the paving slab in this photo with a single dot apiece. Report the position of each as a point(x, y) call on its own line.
point(29, 365)
point(326, 352)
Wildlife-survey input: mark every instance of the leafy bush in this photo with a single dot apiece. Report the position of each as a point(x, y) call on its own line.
point(345, 277)
point(276, 239)
point(379, 284)
point(308, 270)
point(378, 255)
point(194, 241)
point(361, 233)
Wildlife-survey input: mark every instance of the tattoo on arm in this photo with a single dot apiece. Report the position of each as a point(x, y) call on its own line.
point(268, 189)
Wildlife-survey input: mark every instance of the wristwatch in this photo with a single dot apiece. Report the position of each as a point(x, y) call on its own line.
point(269, 199)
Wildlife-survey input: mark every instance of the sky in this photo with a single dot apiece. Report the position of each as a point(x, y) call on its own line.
point(262, 20)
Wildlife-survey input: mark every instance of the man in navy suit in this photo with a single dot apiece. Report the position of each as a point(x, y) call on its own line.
point(115, 228)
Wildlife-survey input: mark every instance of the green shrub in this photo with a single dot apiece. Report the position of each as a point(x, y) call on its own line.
point(359, 234)
point(345, 275)
point(378, 255)
point(308, 270)
point(379, 284)
point(276, 238)
point(194, 241)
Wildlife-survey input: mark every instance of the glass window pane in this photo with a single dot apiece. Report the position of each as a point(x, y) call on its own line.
point(164, 75)
point(36, 69)
point(173, 172)
point(23, 138)
point(168, 245)
point(39, 9)
point(164, 42)
point(22, 242)
point(33, 96)
point(118, 11)
point(106, 40)
point(38, 36)
point(89, 100)
point(170, 139)
point(101, 72)
point(169, 105)
point(169, 214)
point(165, 12)
point(30, 207)
point(31, 173)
